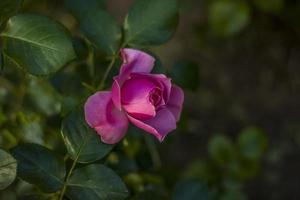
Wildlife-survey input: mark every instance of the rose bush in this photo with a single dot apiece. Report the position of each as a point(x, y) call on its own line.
point(149, 101)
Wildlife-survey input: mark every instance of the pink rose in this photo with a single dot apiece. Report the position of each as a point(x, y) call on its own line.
point(147, 100)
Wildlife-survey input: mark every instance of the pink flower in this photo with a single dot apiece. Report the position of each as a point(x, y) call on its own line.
point(147, 100)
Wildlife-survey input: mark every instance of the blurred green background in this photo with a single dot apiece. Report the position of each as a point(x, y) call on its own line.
point(239, 136)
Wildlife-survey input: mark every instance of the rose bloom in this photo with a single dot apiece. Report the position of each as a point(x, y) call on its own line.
point(149, 101)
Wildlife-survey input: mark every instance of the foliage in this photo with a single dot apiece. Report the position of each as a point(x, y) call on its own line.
point(8, 168)
point(229, 165)
point(42, 46)
point(54, 54)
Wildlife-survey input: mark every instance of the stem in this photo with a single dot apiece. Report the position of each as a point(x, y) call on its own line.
point(111, 64)
point(91, 64)
point(153, 152)
point(68, 176)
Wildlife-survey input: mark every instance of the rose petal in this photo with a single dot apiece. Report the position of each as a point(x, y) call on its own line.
point(116, 93)
point(176, 101)
point(163, 82)
point(101, 114)
point(135, 98)
point(135, 61)
point(162, 124)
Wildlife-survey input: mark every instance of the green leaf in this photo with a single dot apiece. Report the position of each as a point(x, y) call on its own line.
point(221, 149)
point(42, 97)
point(97, 25)
point(7, 8)
point(243, 171)
point(185, 74)
point(69, 104)
point(150, 194)
point(32, 131)
point(252, 143)
point(269, 6)
point(80, 47)
point(82, 142)
point(192, 189)
point(102, 30)
point(96, 182)
point(37, 44)
point(1, 62)
point(39, 166)
point(151, 22)
point(80, 8)
point(203, 170)
point(232, 190)
point(227, 18)
point(8, 169)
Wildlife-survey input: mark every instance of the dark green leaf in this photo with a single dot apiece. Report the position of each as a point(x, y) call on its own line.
point(81, 140)
point(68, 105)
point(185, 74)
point(227, 18)
point(36, 197)
point(252, 143)
point(243, 171)
point(97, 25)
point(81, 48)
point(269, 6)
point(8, 169)
point(192, 190)
point(80, 8)
point(37, 44)
point(221, 149)
point(151, 193)
point(1, 62)
point(203, 170)
point(96, 182)
point(7, 8)
point(233, 190)
point(151, 22)
point(39, 166)
point(102, 30)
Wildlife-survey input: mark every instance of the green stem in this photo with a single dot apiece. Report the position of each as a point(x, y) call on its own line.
point(153, 152)
point(69, 175)
point(110, 66)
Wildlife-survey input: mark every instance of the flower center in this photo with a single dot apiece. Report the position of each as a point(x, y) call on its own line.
point(155, 96)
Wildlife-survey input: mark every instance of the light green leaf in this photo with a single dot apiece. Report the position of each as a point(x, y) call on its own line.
point(82, 142)
point(151, 22)
point(39, 166)
point(8, 169)
point(37, 44)
point(42, 97)
point(252, 143)
point(32, 131)
point(96, 182)
point(227, 18)
point(221, 149)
